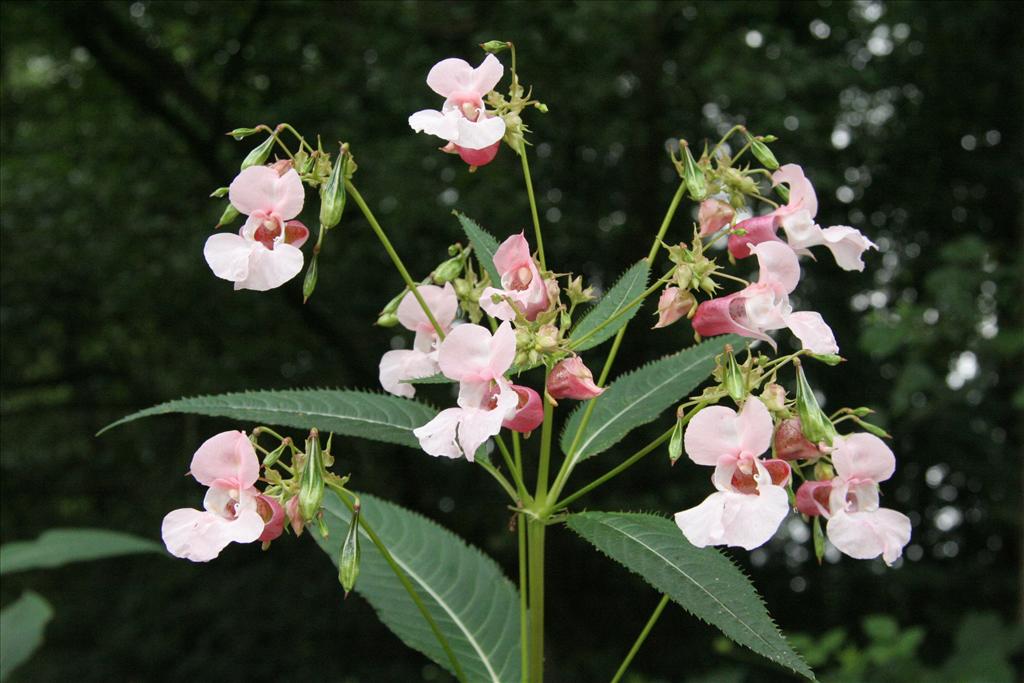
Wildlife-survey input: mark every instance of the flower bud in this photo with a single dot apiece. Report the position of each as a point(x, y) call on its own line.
point(546, 338)
point(762, 153)
point(448, 270)
point(495, 46)
point(311, 481)
point(332, 193)
point(239, 133)
point(692, 174)
point(576, 293)
point(675, 443)
point(828, 358)
point(275, 455)
point(348, 563)
point(570, 378)
point(388, 316)
point(732, 377)
point(259, 154)
point(816, 425)
point(791, 444)
point(529, 413)
point(220, 192)
point(291, 510)
point(714, 215)
point(309, 282)
point(273, 517)
point(281, 166)
point(673, 304)
point(812, 497)
point(230, 214)
point(774, 397)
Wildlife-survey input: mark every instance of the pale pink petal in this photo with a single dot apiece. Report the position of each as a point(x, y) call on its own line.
point(501, 309)
point(228, 456)
point(254, 190)
point(451, 75)
point(726, 315)
point(442, 302)
point(801, 192)
point(478, 425)
point(813, 332)
point(671, 307)
point(271, 268)
point(758, 229)
point(438, 437)
point(513, 253)
point(863, 456)
point(765, 306)
point(712, 433)
point(865, 535)
point(487, 75)
point(801, 231)
point(847, 246)
point(194, 535)
point(735, 519)
point(228, 256)
point(432, 122)
point(778, 263)
point(465, 354)
point(396, 366)
point(713, 215)
point(288, 196)
point(479, 134)
point(702, 524)
point(503, 350)
point(754, 427)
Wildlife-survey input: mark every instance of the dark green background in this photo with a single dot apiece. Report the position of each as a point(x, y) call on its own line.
point(112, 134)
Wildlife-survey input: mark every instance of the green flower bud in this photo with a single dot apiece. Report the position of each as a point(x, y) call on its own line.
point(275, 454)
point(219, 192)
point(448, 270)
point(230, 214)
point(309, 283)
point(311, 481)
point(874, 429)
point(692, 174)
point(762, 153)
point(828, 358)
point(387, 317)
point(675, 443)
point(239, 133)
point(348, 563)
point(260, 154)
point(462, 288)
point(495, 46)
point(816, 425)
point(332, 193)
point(783, 192)
point(732, 377)
point(387, 320)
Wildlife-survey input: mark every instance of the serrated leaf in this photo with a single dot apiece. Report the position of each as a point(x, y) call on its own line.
point(474, 605)
point(484, 244)
point(57, 547)
point(701, 580)
point(640, 396)
point(379, 417)
point(432, 379)
point(22, 624)
point(629, 286)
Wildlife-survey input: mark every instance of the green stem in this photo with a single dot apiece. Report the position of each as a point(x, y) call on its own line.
point(535, 538)
point(665, 222)
point(509, 489)
point(640, 639)
point(524, 612)
point(352, 192)
point(514, 468)
point(636, 301)
point(545, 447)
point(404, 580)
point(533, 203)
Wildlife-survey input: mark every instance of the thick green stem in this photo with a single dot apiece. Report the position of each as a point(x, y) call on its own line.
point(535, 536)
point(545, 448)
point(354, 193)
point(524, 612)
point(404, 580)
point(640, 639)
point(533, 204)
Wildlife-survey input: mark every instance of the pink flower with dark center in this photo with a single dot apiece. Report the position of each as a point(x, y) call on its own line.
point(751, 500)
point(421, 359)
point(764, 305)
point(265, 254)
point(478, 361)
point(570, 378)
point(521, 283)
point(228, 465)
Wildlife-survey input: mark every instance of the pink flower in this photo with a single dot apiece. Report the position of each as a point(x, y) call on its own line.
point(714, 214)
point(227, 464)
point(764, 305)
point(857, 526)
point(273, 517)
point(521, 282)
point(463, 121)
point(478, 361)
point(797, 220)
point(421, 359)
point(673, 304)
point(265, 254)
point(750, 502)
point(570, 378)
point(529, 412)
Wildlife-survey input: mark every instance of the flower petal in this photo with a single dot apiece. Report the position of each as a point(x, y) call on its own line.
point(432, 122)
point(441, 301)
point(847, 246)
point(449, 76)
point(271, 268)
point(759, 229)
point(778, 263)
point(227, 255)
point(487, 75)
point(404, 364)
point(483, 132)
point(712, 433)
point(865, 535)
point(863, 456)
point(813, 332)
point(228, 456)
point(754, 427)
point(260, 188)
point(801, 192)
point(735, 519)
point(465, 354)
point(438, 437)
point(194, 535)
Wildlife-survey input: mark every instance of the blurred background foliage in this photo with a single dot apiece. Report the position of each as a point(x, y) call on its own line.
point(907, 116)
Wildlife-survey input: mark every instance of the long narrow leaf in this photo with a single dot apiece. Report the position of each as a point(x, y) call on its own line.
point(629, 286)
point(58, 547)
point(22, 624)
point(702, 580)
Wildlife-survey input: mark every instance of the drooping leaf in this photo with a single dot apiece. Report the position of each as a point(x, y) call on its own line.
point(58, 547)
point(22, 624)
point(474, 605)
point(640, 396)
point(629, 286)
point(484, 244)
point(702, 580)
point(378, 417)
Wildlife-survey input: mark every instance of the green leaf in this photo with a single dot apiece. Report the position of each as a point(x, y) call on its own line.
point(22, 623)
point(630, 285)
point(701, 580)
point(58, 547)
point(439, 378)
point(379, 417)
point(640, 396)
point(474, 605)
point(485, 245)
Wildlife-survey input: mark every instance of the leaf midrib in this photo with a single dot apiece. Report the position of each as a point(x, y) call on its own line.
point(620, 306)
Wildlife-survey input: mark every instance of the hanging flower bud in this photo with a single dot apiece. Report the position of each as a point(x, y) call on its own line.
point(529, 412)
point(791, 444)
point(812, 497)
point(816, 425)
point(348, 563)
point(692, 174)
point(332, 193)
point(570, 378)
point(311, 482)
point(673, 304)
point(388, 317)
point(762, 153)
point(714, 215)
point(259, 154)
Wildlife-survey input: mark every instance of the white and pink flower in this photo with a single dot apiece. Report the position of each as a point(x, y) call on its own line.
point(765, 306)
point(570, 378)
point(857, 526)
point(797, 220)
point(751, 500)
point(227, 464)
point(713, 215)
point(265, 253)
point(421, 359)
point(477, 360)
point(521, 283)
point(471, 131)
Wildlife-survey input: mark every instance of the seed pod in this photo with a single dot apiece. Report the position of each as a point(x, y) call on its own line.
point(694, 177)
point(495, 46)
point(311, 482)
point(309, 283)
point(230, 214)
point(259, 154)
point(732, 377)
point(762, 153)
point(675, 443)
point(816, 425)
point(348, 563)
point(332, 193)
point(239, 133)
